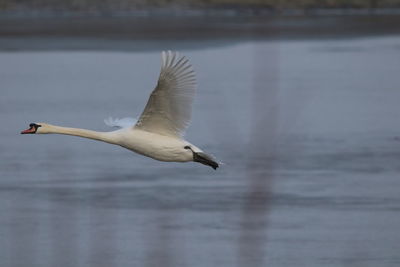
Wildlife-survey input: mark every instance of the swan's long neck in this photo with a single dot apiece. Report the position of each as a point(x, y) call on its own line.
point(107, 137)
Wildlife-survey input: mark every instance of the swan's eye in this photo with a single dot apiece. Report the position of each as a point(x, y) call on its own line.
point(187, 147)
point(35, 125)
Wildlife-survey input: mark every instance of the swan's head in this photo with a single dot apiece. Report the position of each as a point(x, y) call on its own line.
point(34, 128)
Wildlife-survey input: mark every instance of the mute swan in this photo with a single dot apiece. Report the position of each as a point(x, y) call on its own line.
point(158, 133)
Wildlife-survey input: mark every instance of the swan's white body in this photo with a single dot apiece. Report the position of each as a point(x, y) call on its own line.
point(158, 133)
point(159, 147)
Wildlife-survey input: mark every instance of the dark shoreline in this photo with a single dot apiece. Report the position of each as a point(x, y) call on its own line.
point(182, 12)
point(140, 33)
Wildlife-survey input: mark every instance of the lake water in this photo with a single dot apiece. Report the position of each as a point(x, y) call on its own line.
point(307, 129)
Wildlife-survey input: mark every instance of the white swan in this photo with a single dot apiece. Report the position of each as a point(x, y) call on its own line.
point(158, 133)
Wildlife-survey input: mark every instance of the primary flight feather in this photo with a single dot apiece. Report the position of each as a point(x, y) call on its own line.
point(169, 108)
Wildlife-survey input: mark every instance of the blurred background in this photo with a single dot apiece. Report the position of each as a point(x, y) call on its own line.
point(298, 99)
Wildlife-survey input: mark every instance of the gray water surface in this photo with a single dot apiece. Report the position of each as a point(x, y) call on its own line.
point(307, 130)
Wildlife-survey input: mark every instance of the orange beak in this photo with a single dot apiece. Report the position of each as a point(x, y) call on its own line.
point(31, 130)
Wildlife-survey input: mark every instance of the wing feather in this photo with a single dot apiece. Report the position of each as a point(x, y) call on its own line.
point(121, 123)
point(169, 108)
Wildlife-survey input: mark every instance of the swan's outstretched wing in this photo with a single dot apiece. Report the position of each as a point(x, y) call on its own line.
point(121, 123)
point(169, 108)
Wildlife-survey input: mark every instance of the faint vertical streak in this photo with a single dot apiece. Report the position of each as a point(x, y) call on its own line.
point(164, 247)
point(63, 232)
point(83, 232)
point(261, 156)
point(44, 248)
point(7, 230)
point(160, 245)
point(102, 243)
point(22, 228)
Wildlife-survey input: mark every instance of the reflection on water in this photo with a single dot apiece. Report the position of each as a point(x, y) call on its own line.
point(306, 130)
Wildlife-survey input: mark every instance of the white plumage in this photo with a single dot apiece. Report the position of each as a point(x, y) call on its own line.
point(159, 131)
point(120, 123)
point(169, 108)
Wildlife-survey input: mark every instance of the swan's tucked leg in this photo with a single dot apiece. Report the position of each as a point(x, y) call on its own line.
point(205, 159)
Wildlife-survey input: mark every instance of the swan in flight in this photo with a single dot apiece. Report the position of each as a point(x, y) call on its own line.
point(159, 131)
